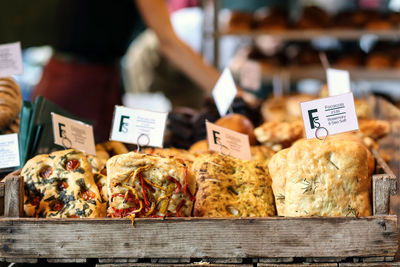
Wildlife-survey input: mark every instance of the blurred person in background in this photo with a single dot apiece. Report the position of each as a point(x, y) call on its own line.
point(89, 38)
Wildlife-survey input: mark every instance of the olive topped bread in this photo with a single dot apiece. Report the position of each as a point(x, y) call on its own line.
point(230, 187)
point(61, 185)
point(142, 185)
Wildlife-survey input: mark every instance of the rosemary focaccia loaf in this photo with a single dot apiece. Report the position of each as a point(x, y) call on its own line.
point(229, 187)
point(61, 185)
point(142, 185)
point(322, 178)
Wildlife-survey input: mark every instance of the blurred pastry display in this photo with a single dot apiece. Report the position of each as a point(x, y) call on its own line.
point(272, 19)
point(240, 21)
point(238, 123)
point(313, 17)
point(378, 60)
point(10, 105)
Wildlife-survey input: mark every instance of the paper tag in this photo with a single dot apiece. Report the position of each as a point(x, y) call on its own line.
point(9, 151)
point(224, 92)
point(336, 113)
point(139, 126)
point(73, 134)
point(250, 75)
point(11, 59)
point(338, 81)
point(228, 142)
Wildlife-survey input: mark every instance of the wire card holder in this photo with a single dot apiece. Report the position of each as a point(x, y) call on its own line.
point(322, 137)
point(141, 145)
point(66, 142)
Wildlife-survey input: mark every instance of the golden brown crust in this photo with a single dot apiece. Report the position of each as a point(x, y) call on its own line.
point(128, 175)
point(357, 138)
point(374, 129)
point(323, 178)
point(61, 185)
point(282, 133)
point(199, 147)
point(10, 101)
point(171, 152)
point(229, 187)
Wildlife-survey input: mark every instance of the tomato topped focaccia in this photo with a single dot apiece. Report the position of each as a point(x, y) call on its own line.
point(143, 185)
point(61, 185)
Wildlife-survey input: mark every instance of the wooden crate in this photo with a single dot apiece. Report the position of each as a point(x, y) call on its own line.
point(183, 241)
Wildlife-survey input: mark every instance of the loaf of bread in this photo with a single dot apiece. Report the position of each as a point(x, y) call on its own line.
point(61, 185)
point(142, 185)
point(229, 187)
point(321, 178)
point(10, 101)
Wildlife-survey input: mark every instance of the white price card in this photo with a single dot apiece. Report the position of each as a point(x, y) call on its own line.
point(250, 75)
point(9, 151)
point(228, 142)
point(137, 126)
point(11, 59)
point(71, 133)
point(338, 81)
point(336, 114)
point(224, 92)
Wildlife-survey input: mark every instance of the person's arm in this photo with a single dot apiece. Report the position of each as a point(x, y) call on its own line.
point(156, 16)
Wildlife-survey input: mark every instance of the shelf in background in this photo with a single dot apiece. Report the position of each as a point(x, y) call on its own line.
point(302, 35)
point(316, 72)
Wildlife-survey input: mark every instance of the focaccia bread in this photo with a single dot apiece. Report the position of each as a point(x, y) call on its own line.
point(177, 153)
point(98, 164)
point(277, 167)
point(142, 185)
point(327, 178)
point(61, 185)
point(229, 187)
point(282, 134)
point(374, 129)
point(261, 155)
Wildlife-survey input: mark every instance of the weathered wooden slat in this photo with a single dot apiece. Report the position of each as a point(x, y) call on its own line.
point(223, 260)
point(381, 186)
point(13, 201)
point(117, 260)
point(199, 237)
point(1, 198)
point(298, 265)
point(1, 189)
point(371, 264)
point(373, 259)
point(171, 260)
point(276, 260)
point(325, 259)
point(383, 169)
point(71, 260)
point(30, 261)
point(200, 264)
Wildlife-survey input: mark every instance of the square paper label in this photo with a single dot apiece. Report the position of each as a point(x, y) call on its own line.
point(250, 75)
point(73, 134)
point(224, 92)
point(139, 126)
point(338, 81)
point(228, 142)
point(11, 60)
point(9, 151)
point(336, 114)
